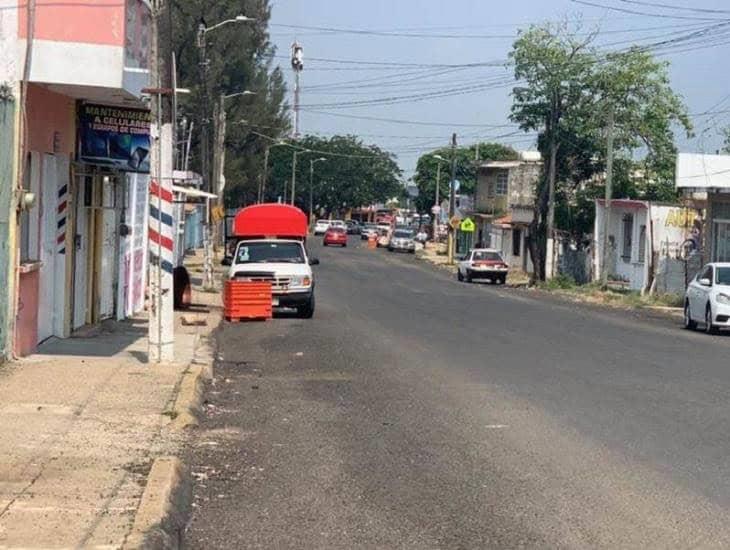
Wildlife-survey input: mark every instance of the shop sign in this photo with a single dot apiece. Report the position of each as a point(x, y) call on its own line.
point(116, 137)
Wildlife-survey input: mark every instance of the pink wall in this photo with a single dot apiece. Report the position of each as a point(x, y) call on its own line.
point(26, 324)
point(86, 21)
point(50, 113)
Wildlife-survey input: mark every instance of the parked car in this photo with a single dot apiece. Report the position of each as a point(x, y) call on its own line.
point(483, 263)
point(383, 236)
point(367, 230)
point(321, 227)
point(402, 240)
point(353, 227)
point(707, 299)
point(336, 236)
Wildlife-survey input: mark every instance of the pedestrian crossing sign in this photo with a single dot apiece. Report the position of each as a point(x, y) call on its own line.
point(467, 226)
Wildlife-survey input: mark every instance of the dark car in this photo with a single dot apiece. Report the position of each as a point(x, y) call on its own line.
point(353, 227)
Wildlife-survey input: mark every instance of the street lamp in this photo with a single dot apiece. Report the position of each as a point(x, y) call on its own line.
point(294, 172)
point(312, 162)
point(262, 188)
point(203, 30)
point(439, 159)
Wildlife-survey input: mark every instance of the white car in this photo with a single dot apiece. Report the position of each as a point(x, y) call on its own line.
point(338, 223)
point(321, 227)
point(707, 299)
point(483, 263)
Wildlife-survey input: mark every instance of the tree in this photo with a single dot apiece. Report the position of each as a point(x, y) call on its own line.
point(427, 167)
point(239, 57)
point(354, 174)
point(569, 89)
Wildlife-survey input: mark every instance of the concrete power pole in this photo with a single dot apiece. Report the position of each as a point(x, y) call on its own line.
point(161, 233)
point(436, 204)
point(297, 63)
point(452, 201)
point(609, 193)
point(219, 162)
point(550, 248)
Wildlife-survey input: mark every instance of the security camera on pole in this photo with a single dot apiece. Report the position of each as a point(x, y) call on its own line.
point(297, 64)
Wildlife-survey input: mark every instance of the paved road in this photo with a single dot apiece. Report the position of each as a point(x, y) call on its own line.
point(417, 412)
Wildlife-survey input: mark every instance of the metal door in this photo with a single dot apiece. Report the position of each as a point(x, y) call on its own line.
point(47, 290)
point(81, 249)
point(108, 234)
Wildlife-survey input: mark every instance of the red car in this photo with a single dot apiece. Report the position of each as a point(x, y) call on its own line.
point(335, 235)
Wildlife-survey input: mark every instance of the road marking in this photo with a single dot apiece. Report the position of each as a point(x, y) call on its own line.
point(496, 426)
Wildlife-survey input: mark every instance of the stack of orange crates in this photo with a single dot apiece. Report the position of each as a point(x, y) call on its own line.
point(246, 300)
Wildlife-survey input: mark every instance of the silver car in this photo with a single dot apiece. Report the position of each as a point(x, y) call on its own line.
point(402, 241)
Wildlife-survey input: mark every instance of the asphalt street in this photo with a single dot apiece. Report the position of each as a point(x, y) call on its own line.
point(414, 411)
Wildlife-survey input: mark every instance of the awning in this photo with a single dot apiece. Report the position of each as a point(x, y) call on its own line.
point(189, 191)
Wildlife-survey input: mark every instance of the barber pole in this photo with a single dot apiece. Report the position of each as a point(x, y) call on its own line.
point(61, 216)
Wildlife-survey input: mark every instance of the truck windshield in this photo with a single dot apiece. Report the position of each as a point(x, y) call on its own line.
point(269, 252)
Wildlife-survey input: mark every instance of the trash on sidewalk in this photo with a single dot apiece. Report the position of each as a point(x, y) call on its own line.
point(193, 321)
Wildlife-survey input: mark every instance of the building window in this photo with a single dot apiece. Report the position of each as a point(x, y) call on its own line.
point(642, 243)
point(516, 242)
point(628, 228)
point(500, 186)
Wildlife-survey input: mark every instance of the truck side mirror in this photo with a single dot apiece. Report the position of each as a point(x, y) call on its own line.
point(313, 261)
point(227, 261)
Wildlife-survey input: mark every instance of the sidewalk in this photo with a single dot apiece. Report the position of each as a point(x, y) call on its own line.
point(80, 425)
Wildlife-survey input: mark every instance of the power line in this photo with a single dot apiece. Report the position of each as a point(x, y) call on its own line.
point(672, 7)
point(646, 14)
point(413, 122)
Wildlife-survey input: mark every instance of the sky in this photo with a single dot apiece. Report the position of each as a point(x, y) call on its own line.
point(352, 56)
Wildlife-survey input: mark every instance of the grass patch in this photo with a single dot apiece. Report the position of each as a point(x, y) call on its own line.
point(613, 296)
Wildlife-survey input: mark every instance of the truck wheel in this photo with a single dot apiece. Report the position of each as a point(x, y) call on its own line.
point(307, 310)
point(459, 276)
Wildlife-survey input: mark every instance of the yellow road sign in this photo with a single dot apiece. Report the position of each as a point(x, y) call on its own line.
point(467, 226)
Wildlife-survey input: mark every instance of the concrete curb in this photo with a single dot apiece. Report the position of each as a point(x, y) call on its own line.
point(189, 400)
point(163, 511)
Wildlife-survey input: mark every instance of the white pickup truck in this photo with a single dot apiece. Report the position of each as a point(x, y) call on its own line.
point(271, 248)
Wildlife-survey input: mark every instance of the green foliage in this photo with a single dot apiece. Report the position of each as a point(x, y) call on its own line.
point(240, 56)
point(354, 174)
point(569, 90)
point(427, 170)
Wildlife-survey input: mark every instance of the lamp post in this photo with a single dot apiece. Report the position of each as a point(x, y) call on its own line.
point(203, 30)
point(312, 162)
point(262, 192)
point(294, 172)
point(219, 159)
point(435, 212)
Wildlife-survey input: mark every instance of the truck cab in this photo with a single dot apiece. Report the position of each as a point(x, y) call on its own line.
point(271, 247)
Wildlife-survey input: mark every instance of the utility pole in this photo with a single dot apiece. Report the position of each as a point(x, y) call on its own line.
point(204, 157)
point(161, 234)
point(436, 203)
point(293, 176)
point(297, 64)
point(550, 248)
point(312, 162)
point(452, 200)
point(266, 173)
point(609, 193)
point(219, 160)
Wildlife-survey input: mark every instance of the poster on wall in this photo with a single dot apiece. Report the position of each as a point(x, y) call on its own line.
point(116, 137)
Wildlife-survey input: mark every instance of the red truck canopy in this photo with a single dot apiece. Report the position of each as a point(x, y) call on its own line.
point(270, 220)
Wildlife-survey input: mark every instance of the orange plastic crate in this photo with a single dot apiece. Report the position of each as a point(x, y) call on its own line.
point(247, 300)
